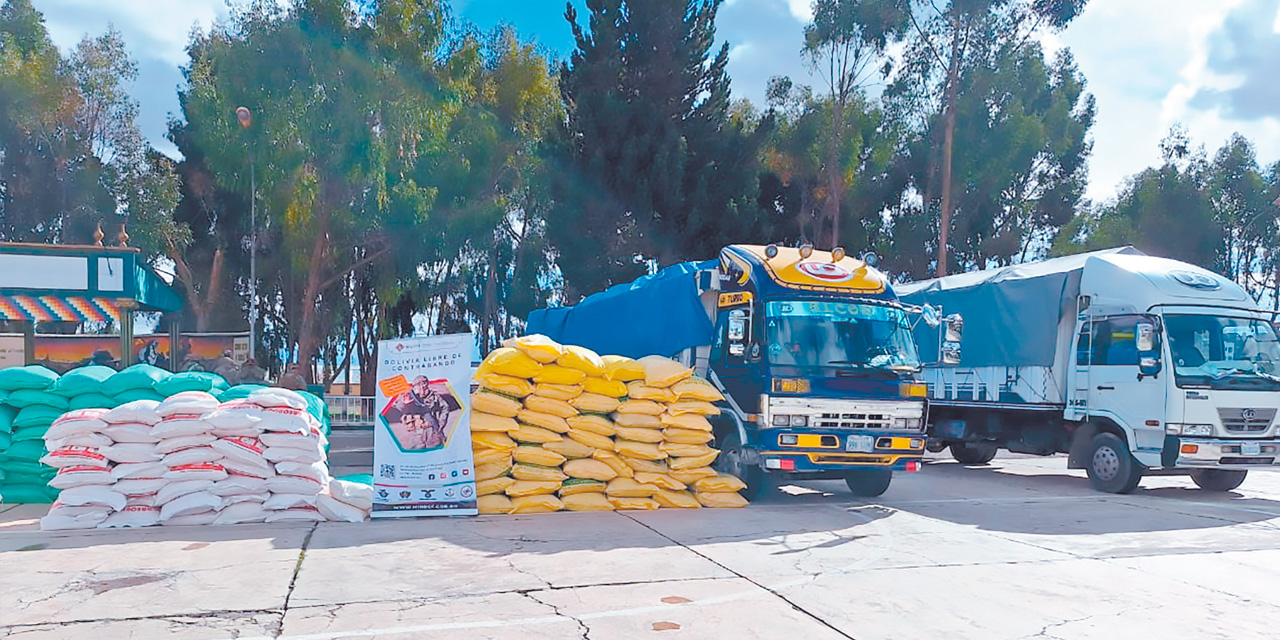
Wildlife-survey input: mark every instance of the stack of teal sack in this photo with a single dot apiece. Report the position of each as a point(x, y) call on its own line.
point(32, 397)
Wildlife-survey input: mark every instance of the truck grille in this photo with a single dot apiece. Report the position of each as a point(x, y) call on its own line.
point(855, 420)
point(1246, 420)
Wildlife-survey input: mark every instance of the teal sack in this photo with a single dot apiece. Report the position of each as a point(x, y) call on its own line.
point(6, 439)
point(37, 415)
point(92, 401)
point(138, 376)
point(239, 392)
point(30, 466)
point(359, 478)
point(26, 494)
point(78, 382)
point(190, 381)
point(137, 394)
point(29, 377)
point(23, 398)
point(22, 434)
point(14, 477)
point(7, 414)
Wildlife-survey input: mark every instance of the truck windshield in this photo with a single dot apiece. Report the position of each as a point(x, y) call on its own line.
point(1223, 352)
point(839, 334)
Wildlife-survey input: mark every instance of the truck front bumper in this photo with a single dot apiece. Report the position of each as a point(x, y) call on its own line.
point(831, 453)
point(1219, 453)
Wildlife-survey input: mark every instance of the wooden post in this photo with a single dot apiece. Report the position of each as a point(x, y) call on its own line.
point(29, 341)
point(175, 336)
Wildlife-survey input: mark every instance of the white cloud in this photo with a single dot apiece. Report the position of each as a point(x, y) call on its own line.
point(801, 9)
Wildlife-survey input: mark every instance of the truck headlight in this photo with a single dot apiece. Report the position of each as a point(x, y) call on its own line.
point(906, 423)
point(1197, 430)
point(799, 421)
point(781, 420)
point(913, 389)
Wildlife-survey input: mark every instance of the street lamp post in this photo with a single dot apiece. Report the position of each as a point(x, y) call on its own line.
point(245, 117)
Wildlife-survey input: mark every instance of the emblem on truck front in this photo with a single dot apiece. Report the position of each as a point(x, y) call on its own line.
point(1248, 415)
point(1195, 280)
point(825, 271)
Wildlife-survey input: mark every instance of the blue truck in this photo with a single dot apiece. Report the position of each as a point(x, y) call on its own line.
point(812, 350)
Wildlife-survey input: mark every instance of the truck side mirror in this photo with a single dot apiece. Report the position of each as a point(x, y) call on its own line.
point(1145, 336)
point(929, 314)
point(952, 336)
point(1144, 339)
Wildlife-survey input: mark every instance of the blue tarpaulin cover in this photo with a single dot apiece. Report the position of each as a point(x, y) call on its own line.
point(1011, 314)
point(659, 314)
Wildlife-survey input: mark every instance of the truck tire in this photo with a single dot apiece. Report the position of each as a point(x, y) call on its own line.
point(1111, 467)
point(973, 452)
point(1217, 479)
point(868, 483)
point(733, 461)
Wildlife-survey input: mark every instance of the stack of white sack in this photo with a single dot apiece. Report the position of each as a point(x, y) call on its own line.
point(345, 501)
point(76, 442)
point(190, 460)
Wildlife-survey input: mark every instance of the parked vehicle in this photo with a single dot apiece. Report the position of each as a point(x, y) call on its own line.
point(1132, 364)
point(812, 350)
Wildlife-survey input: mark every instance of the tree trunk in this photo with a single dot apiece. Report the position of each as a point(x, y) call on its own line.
point(948, 138)
point(489, 304)
point(835, 174)
point(308, 330)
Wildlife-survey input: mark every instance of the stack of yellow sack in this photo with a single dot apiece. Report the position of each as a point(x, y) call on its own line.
point(558, 427)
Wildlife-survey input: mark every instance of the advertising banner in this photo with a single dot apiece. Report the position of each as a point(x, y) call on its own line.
point(196, 352)
point(12, 350)
point(422, 436)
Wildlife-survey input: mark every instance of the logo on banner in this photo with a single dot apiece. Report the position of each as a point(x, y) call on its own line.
point(825, 271)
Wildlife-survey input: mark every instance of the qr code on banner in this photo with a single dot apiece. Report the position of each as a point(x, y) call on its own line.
point(387, 471)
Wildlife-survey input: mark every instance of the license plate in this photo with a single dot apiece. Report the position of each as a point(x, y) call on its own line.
point(861, 444)
point(1250, 449)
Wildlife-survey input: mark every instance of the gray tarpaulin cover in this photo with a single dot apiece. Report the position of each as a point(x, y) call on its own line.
point(1010, 314)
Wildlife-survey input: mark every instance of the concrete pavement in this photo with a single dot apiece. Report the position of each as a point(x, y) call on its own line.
point(1019, 549)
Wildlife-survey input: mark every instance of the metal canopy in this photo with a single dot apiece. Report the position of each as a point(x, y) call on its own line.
point(40, 282)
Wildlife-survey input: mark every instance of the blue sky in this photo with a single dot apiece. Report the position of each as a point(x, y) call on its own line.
point(1208, 64)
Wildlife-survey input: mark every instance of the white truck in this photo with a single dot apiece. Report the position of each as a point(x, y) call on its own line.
point(1131, 364)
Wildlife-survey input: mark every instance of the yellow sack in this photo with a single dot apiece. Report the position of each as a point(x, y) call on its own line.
point(493, 504)
point(594, 424)
point(642, 450)
point(699, 407)
point(506, 385)
point(491, 423)
point(532, 488)
point(594, 403)
point(538, 435)
point(491, 470)
point(493, 485)
point(491, 456)
point(696, 388)
point(677, 500)
point(510, 362)
point(628, 488)
point(556, 374)
point(691, 421)
point(694, 461)
point(589, 469)
point(719, 483)
point(557, 391)
point(653, 436)
point(538, 473)
point(538, 347)
point(549, 406)
point(642, 391)
point(575, 486)
point(536, 504)
point(587, 502)
point(615, 462)
point(569, 448)
point(660, 480)
point(678, 450)
point(690, 476)
point(646, 466)
point(611, 388)
point(647, 407)
point(622, 368)
point(687, 436)
point(663, 372)
point(637, 420)
point(492, 440)
point(593, 440)
point(582, 359)
point(492, 403)
point(544, 420)
point(530, 454)
point(717, 500)
point(634, 504)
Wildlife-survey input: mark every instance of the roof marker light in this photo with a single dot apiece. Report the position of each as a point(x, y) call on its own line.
point(806, 250)
point(771, 251)
point(837, 254)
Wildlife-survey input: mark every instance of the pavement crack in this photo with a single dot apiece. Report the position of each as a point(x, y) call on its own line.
point(582, 625)
point(791, 603)
point(293, 581)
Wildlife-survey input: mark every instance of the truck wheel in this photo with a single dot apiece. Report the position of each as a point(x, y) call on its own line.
point(868, 483)
point(733, 460)
point(973, 452)
point(1111, 468)
point(1217, 479)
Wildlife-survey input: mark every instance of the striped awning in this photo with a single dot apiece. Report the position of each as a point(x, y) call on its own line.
point(52, 308)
